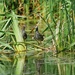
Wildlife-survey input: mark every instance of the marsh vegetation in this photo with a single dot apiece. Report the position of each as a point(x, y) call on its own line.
point(37, 37)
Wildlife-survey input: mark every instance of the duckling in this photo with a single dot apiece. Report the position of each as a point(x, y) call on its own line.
point(38, 36)
point(24, 34)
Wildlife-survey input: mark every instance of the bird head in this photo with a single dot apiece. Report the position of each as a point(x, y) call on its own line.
point(23, 27)
point(36, 27)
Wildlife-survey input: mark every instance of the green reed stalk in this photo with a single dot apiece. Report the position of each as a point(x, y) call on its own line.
point(19, 48)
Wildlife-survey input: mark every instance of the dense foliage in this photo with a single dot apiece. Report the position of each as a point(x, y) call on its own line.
point(56, 23)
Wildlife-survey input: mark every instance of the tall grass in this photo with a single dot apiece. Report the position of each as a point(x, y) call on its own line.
point(55, 55)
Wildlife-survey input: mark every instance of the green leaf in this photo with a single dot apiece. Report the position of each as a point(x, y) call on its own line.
point(45, 29)
point(4, 27)
point(6, 45)
point(72, 44)
point(2, 70)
